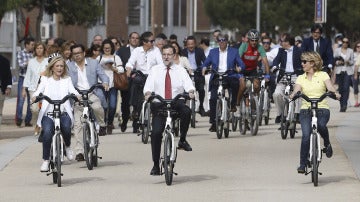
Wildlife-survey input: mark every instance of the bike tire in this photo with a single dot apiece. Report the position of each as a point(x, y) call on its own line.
point(261, 106)
point(58, 159)
point(54, 174)
point(255, 111)
point(147, 125)
point(284, 125)
point(218, 122)
point(314, 160)
point(88, 152)
point(193, 114)
point(293, 131)
point(234, 122)
point(167, 163)
point(242, 118)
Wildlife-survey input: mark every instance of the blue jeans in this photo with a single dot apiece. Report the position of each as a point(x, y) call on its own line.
point(305, 116)
point(344, 81)
point(20, 103)
point(111, 96)
point(47, 125)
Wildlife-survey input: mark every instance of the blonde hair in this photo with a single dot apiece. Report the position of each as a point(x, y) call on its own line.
point(49, 72)
point(313, 57)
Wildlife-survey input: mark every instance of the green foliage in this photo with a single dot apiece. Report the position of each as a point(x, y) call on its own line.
point(294, 16)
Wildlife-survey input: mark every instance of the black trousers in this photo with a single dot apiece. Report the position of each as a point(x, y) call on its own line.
point(137, 97)
point(158, 125)
point(199, 86)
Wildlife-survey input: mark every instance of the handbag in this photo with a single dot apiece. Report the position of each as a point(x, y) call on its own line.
point(120, 81)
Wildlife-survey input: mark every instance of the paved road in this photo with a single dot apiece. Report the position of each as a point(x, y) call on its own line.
point(240, 168)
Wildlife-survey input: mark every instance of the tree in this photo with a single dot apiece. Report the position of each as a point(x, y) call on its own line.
point(73, 12)
point(8, 5)
point(294, 16)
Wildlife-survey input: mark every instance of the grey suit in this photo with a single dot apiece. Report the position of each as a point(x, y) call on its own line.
point(94, 72)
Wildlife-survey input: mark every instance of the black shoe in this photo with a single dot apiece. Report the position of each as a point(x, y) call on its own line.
point(328, 151)
point(80, 157)
point(28, 125)
point(212, 128)
point(301, 169)
point(201, 111)
point(136, 130)
point(296, 118)
point(109, 128)
point(155, 170)
point(102, 131)
point(207, 113)
point(278, 119)
point(184, 145)
point(18, 123)
point(123, 127)
point(343, 109)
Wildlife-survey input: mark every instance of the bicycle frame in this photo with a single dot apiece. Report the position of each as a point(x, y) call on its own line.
point(314, 131)
point(168, 132)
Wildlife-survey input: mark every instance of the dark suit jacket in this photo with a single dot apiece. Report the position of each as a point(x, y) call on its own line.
point(281, 58)
point(326, 51)
point(124, 54)
point(199, 56)
point(5, 73)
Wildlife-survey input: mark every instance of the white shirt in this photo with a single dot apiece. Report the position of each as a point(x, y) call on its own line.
point(33, 72)
point(83, 83)
point(289, 60)
point(222, 60)
point(117, 63)
point(315, 44)
point(180, 80)
point(144, 60)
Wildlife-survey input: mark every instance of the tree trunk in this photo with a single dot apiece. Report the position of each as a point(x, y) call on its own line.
point(38, 21)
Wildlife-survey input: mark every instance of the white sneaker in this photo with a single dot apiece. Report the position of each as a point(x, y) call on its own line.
point(69, 153)
point(45, 166)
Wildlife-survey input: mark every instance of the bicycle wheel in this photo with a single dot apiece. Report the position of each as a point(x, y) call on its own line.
point(95, 154)
point(58, 159)
point(255, 111)
point(293, 130)
point(54, 173)
point(284, 125)
point(167, 163)
point(314, 160)
point(267, 111)
point(242, 118)
point(227, 123)
point(261, 106)
point(147, 125)
point(218, 122)
point(88, 152)
point(193, 113)
point(234, 121)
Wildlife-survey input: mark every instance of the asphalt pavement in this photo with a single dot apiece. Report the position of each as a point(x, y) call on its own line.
point(239, 168)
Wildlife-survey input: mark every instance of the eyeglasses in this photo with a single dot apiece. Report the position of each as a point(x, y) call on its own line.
point(222, 40)
point(304, 61)
point(345, 41)
point(254, 40)
point(151, 41)
point(266, 42)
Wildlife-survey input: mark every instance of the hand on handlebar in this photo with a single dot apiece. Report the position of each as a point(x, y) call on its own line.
point(106, 86)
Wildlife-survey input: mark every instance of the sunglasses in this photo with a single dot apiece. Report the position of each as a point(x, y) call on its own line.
point(304, 61)
point(345, 41)
point(222, 40)
point(254, 40)
point(266, 42)
point(151, 41)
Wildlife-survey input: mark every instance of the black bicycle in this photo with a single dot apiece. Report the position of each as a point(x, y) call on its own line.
point(57, 143)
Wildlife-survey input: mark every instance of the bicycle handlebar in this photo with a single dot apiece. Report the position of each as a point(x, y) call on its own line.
point(86, 92)
point(162, 100)
point(55, 102)
point(314, 100)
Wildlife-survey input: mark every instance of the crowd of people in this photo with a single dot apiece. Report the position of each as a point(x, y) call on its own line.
point(150, 61)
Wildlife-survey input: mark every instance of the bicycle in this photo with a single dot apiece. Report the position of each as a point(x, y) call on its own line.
point(249, 113)
point(90, 136)
point(192, 106)
point(168, 159)
point(57, 143)
point(264, 102)
point(315, 152)
point(287, 121)
point(222, 117)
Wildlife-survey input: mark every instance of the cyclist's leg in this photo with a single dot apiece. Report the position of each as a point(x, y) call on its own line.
point(200, 87)
point(305, 121)
point(65, 126)
point(278, 98)
point(78, 130)
point(213, 98)
point(323, 118)
point(234, 85)
point(98, 109)
point(112, 105)
point(256, 86)
point(185, 115)
point(242, 87)
point(48, 130)
point(125, 106)
point(158, 126)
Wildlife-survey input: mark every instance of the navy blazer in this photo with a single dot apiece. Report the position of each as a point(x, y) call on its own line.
point(5, 73)
point(199, 56)
point(281, 58)
point(326, 51)
point(124, 54)
point(233, 59)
